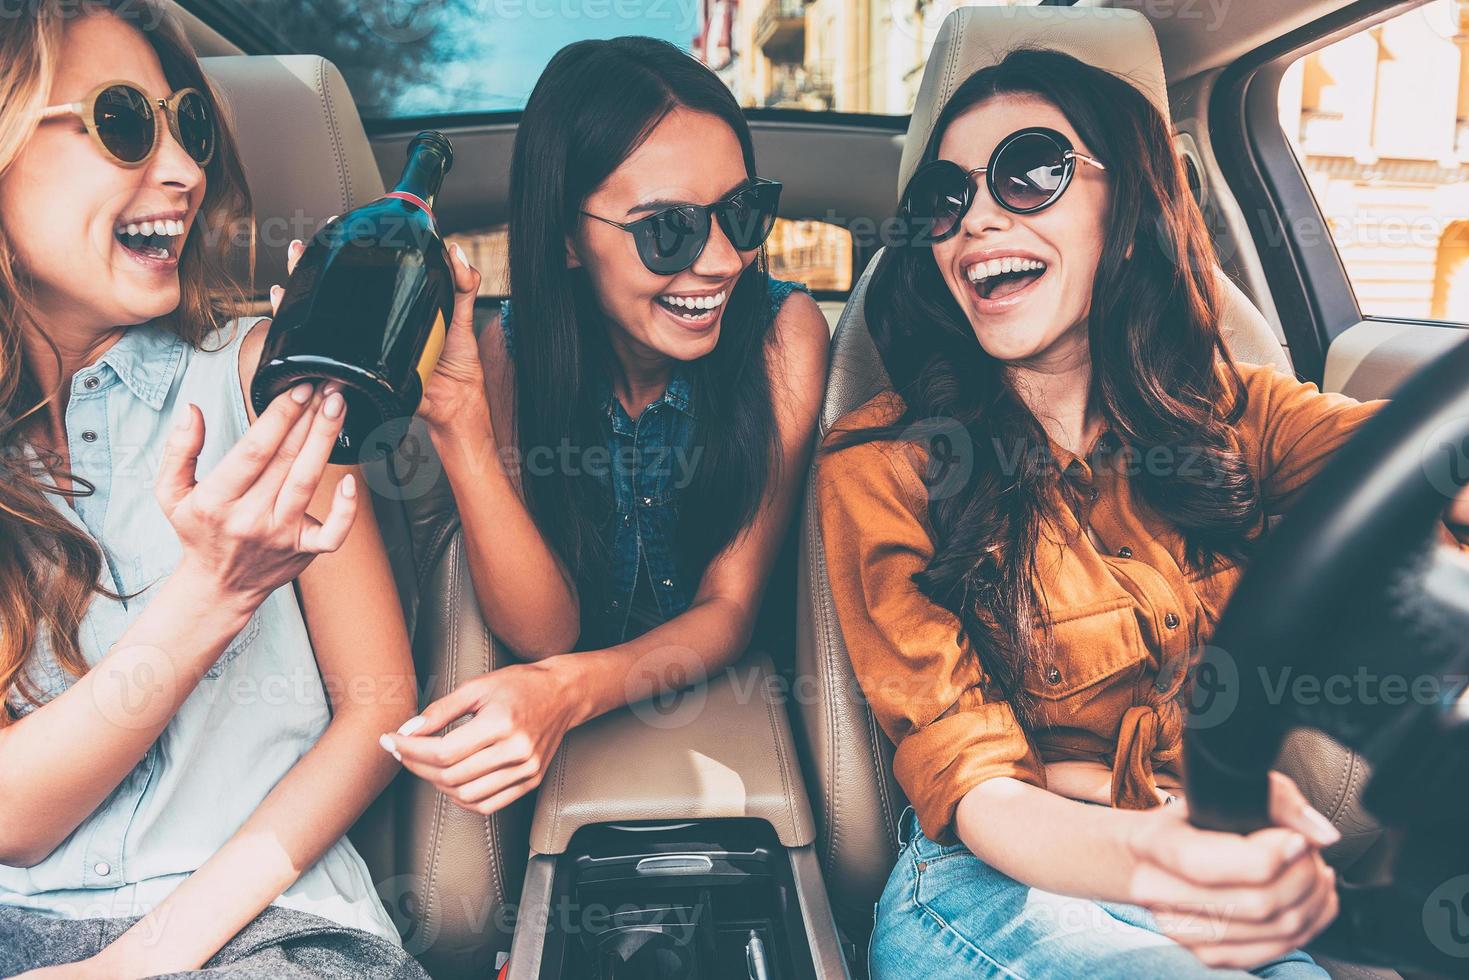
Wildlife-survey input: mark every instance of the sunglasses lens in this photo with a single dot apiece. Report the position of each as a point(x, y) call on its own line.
point(937, 197)
point(749, 215)
point(1029, 172)
point(196, 127)
point(670, 240)
point(124, 123)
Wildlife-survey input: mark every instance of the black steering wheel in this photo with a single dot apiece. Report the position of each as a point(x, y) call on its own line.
point(1350, 592)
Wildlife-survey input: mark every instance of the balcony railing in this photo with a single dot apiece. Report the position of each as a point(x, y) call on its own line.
point(780, 31)
point(800, 87)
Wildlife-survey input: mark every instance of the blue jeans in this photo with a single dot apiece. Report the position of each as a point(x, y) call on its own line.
point(945, 913)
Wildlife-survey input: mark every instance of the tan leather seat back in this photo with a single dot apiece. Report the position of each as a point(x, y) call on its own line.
point(447, 877)
point(849, 759)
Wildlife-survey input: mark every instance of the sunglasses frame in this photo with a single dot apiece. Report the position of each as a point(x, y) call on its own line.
point(711, 214)
point(86, 110)
point(1069, 156)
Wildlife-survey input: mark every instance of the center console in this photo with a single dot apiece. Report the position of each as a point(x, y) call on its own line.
point(674, 841)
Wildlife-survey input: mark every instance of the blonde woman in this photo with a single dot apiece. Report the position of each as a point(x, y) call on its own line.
point(185, 737)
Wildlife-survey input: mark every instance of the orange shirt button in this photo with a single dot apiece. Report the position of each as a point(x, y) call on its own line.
point(1171, 621)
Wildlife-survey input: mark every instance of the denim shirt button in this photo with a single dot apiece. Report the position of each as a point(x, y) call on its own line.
point(91, 383)
point(668, 583)
point(89, 436)
point(103, 869)
point(647, 501)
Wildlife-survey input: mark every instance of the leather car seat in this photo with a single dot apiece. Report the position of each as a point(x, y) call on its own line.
point(848, 757)
point(449, 878)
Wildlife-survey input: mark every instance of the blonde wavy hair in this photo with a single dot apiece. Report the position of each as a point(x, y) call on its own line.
point(49, 569)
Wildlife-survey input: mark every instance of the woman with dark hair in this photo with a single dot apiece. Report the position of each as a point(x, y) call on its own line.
point(1029, 534)
point(627, 440)
point(180, 582)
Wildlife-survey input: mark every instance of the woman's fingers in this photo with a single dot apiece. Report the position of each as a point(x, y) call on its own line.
point(294, 251)
point(497, 755)
point(262, 495)
point(322, 537)
point(492, 784)
point(1290, 808)
point(238, 471)
point(177, 471)
point(1248, 955)
point(1214, 859)
point(298, 485)
point(1244, 916)
point(466, 283)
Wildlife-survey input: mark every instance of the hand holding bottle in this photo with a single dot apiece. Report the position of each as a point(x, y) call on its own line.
point(456, 389)
point(244, 527)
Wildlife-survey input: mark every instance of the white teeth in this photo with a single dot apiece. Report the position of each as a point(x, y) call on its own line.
point(696, 302)
point(994, 267)
point(162, 226)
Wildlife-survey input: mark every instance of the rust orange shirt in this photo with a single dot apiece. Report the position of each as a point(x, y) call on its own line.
point(1127, 609)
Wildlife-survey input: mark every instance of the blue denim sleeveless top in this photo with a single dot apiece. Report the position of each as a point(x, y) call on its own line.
point(648, 462)
point(255, 713)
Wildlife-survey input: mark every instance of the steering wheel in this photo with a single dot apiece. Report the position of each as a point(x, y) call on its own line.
point(1349, 593)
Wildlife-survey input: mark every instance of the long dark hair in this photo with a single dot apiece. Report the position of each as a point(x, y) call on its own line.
point(1156, 354)
point(593, 106)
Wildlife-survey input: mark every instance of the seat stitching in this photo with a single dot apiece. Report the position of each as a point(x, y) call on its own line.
point(492, 834)
point(343, 175)
point(439, 802)
point(785, 782)
point(820, 587)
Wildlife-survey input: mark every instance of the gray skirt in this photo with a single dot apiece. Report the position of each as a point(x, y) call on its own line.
point(280, 944)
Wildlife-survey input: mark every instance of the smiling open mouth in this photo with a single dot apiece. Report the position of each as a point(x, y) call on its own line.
point(158, 240)
point(999, 278)
point(693, 307)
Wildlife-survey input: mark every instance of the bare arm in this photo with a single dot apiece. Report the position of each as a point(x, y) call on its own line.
point(109, 717)
point(524, 592)
point(1234, 900)
point(522, 712)
point(356, 626)
point(526, 596)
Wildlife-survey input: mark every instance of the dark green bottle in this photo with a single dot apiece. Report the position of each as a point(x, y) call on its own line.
point(369, 305)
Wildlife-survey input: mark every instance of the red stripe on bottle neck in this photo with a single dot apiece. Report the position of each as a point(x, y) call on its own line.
point(414, 200)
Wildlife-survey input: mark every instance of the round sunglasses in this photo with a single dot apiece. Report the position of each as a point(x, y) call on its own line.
point(671, 240)
point(1028, 172)
point(123, 121)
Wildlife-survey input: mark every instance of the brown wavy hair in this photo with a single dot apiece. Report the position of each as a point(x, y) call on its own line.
point(48, 568)
point(1160, 374)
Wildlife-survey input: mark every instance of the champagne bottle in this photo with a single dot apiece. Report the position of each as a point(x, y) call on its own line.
point(368, 306)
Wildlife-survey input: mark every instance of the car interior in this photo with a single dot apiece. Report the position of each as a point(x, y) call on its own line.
point(736, 802)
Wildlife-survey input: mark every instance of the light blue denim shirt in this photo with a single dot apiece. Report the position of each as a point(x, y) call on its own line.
point(257, 711)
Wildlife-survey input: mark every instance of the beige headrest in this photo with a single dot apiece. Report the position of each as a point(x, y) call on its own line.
point(1118, 40)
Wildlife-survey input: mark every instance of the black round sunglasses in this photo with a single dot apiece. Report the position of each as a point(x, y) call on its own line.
point(671, 240)
point(1028, 172)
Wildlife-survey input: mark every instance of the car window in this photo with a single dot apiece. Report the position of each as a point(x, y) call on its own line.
point(816, 253)
point(406, 58)
point(1384, 144)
